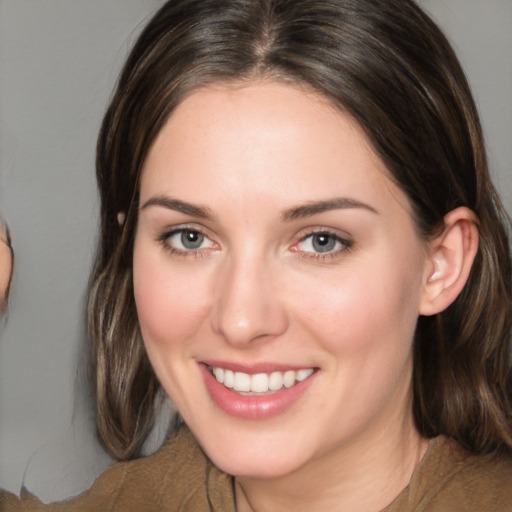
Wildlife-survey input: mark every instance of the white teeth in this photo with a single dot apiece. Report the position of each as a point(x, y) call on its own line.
point(275, 381)
point(301, 374)
point(219, 375)
point(260, 382)
point(289, 379)
point(242, 382)
point(229, 379)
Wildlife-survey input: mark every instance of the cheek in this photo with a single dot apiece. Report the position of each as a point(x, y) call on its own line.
point(171, 302)
point(364, 323)
point(368, 311)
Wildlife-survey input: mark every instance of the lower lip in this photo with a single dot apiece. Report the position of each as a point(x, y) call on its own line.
point(253, 407)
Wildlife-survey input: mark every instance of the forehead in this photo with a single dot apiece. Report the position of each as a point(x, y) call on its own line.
point(264, 139)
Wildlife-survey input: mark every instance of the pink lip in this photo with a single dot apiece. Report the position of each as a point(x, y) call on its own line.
point(255, 407)
point(252, 368)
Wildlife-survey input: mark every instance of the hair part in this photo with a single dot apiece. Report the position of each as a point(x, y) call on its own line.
point(386, 64)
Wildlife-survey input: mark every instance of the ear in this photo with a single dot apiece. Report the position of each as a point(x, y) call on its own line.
point(451, 256)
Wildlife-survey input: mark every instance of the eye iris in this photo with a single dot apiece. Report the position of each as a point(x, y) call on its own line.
point(191, 239)
point(323, 243)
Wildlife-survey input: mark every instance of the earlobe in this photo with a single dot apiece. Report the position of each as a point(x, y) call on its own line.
point(451, 257)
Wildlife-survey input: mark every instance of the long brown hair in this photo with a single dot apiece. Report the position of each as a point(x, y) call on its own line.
point(389, 66)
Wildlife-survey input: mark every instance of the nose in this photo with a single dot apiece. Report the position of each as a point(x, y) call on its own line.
point(248, 304)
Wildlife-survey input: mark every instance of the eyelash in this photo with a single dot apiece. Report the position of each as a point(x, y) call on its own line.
point(346, 245)
point(174, 251)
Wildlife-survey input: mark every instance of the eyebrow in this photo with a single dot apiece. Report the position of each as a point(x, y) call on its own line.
point(179, 206)
point(316, 207)
point(290, 214)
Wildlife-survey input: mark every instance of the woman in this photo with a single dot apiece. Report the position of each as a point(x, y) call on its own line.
point(300, 244)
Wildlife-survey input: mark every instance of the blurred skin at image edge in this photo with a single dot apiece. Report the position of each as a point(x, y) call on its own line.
point(6, 261)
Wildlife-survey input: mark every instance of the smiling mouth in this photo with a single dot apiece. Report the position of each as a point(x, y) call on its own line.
point(245, 383)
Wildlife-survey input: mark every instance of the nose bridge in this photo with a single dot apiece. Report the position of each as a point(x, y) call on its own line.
point(248, 306)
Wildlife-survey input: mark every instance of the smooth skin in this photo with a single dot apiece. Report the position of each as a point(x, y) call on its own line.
point(260, 276)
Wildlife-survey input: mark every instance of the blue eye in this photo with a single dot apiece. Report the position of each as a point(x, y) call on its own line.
point(184, 240)
point(191, 239)
point(323, 243)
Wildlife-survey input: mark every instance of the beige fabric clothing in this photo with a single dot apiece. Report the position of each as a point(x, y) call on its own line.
point(180, 478)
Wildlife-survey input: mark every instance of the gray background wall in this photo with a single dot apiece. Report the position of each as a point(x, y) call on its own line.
point(59, 60)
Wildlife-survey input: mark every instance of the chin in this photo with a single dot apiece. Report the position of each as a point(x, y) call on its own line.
point(260, 468)
point(264, 456)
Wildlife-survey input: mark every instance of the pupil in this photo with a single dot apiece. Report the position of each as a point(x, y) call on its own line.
point(191, 239)
point(323, 243)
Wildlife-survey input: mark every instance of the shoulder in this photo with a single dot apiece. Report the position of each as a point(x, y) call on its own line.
point(450, 479)
point(174, 478)
point(478, 482)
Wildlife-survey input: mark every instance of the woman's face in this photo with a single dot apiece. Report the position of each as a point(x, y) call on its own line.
point(273, 251)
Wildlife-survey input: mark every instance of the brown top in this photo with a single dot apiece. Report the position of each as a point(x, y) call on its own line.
point(180, 478)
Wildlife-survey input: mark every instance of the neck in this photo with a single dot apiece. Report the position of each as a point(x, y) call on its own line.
point(365, 475)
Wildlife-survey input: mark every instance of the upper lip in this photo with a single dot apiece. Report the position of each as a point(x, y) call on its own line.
point(254, 368)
